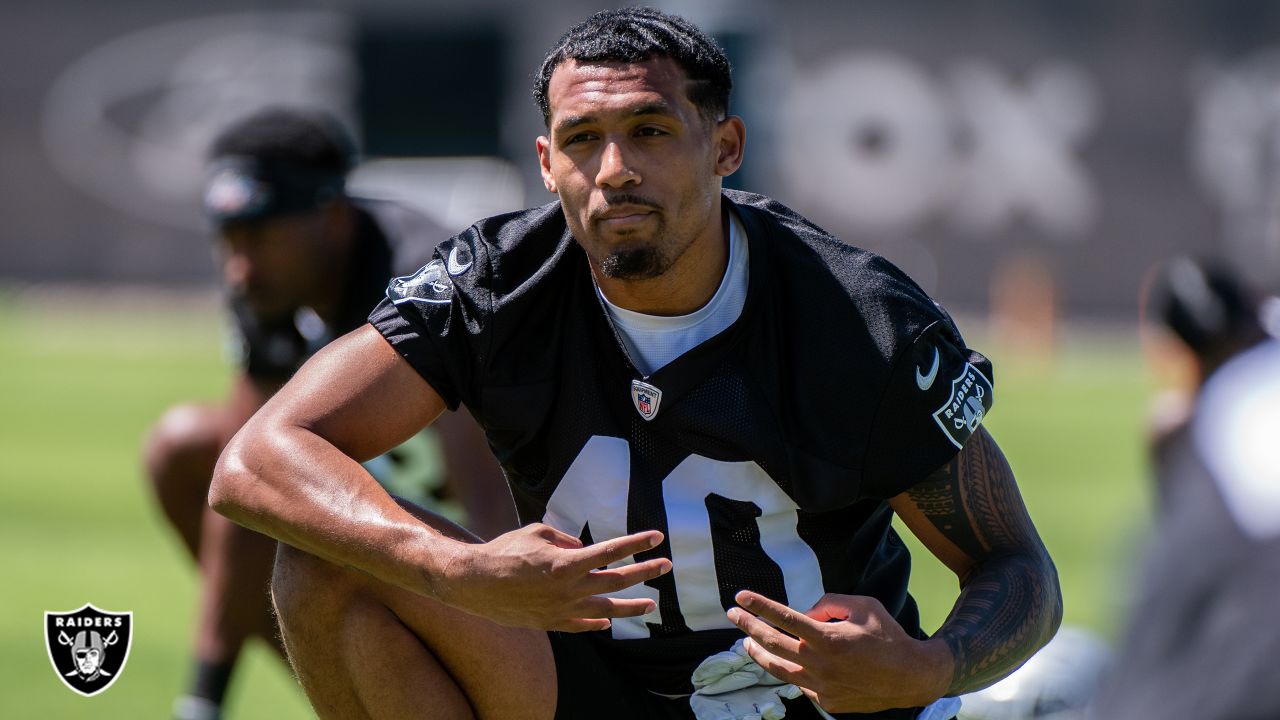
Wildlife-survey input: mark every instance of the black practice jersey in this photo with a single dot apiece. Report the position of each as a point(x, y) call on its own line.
point(765, 454)
point(391, 239)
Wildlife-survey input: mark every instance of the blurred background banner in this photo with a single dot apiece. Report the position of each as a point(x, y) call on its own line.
point(1081, 139)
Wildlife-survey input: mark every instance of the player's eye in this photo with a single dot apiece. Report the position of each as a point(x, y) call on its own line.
point(577, 138)
point(650, 131)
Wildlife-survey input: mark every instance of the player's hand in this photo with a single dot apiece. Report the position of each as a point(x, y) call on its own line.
point(847, 653)
point(539, 577)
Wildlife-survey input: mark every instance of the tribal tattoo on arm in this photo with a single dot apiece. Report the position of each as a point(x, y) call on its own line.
point(1010, 604)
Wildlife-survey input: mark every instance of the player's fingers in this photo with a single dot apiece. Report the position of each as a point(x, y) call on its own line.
point(576, 625)
point(607, 607)
point(765, 635)
point(780, 615)
point(615, 579)
point(810, 694)
point(603, 553)
point(832, 607)
point(781, 668)
point(556, 537)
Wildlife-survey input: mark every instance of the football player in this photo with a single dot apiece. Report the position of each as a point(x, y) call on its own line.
point(302, 262)
point(1198, 315)
point(1198, 643)
point(708, 411)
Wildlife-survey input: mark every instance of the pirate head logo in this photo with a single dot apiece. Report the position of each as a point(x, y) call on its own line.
point(966, 406)
point(431, 284)
point(88, 647)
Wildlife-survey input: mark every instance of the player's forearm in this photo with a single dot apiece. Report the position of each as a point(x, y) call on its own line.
point(294, 486)
point(971, 515)
point(1009, 608)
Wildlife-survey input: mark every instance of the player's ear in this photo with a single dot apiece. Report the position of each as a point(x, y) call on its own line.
point(729, 137)
point(544, 162)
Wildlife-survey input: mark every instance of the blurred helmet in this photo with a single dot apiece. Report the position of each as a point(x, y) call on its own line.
point(1206, 305)
point(1057, 683)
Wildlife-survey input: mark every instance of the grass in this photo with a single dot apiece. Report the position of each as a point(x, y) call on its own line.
point(79, 384)
point(81, 379)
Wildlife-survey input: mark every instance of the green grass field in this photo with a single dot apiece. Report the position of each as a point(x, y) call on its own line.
point(82, 378)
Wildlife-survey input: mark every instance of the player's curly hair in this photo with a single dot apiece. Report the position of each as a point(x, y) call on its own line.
point(636, 34)
point(308, 139)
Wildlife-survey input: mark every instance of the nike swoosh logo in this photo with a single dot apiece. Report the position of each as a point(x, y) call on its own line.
point(455, 267)
point(925, 380)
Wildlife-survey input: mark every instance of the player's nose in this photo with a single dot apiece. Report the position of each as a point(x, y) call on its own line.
point(615, 171)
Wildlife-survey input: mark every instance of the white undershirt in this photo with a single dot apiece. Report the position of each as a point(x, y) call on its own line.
point(652, 341)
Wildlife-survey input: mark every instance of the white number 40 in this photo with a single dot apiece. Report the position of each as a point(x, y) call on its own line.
point(594, 492)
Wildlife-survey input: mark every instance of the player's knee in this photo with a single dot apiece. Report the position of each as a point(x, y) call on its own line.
point(182, 447)
point(302, 583)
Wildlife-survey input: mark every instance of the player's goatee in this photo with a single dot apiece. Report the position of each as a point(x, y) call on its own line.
point(638, 263)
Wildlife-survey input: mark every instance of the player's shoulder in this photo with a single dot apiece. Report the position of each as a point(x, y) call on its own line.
point(814, 269)
point(494, 262)
point(798, 245)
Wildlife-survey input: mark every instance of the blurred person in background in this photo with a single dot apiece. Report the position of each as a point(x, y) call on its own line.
point(1203, 640)
point(303, 262)
point(1196, 315)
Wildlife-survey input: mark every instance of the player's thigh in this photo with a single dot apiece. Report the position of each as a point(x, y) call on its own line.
point(588, 687)
point(504, 671)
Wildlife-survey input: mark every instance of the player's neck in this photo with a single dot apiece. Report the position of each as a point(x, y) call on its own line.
point(688, 285)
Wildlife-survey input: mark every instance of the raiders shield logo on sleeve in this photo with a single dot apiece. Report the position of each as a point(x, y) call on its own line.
point(968, 403)
point(88, 647)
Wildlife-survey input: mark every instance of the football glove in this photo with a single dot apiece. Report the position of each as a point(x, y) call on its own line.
point(731, 686)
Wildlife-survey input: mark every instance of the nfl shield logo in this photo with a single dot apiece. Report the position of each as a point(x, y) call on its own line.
point(88, 647)
point(646, 399)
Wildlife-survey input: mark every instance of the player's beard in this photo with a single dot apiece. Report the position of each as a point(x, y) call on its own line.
point(635, 256)
point(645, 259)
point(635, 263)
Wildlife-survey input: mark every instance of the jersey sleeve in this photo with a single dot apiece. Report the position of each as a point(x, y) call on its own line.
point(433, 317)
point(937, 395)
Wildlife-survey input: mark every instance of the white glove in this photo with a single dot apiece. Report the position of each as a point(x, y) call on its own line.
point(731, 686)
point(941, 709)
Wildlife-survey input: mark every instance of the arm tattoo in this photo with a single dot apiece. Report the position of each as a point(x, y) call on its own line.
point(1010, 604)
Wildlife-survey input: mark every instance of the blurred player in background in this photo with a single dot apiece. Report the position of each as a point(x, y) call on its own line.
point(1203, 641)
point(1197, 315)
point(303, 262)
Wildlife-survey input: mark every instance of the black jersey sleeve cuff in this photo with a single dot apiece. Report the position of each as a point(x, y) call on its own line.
point(938, 393)
point(418, 348)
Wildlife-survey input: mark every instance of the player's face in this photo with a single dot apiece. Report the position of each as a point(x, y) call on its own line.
point(273, 262)
point(636, 165)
